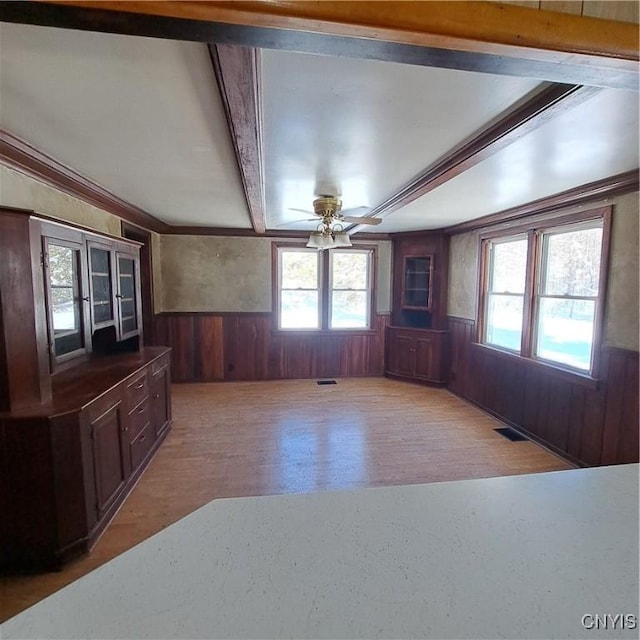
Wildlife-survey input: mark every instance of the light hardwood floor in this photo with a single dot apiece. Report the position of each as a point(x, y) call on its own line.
point(260, 438)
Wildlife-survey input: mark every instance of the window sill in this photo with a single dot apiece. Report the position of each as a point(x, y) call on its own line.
point(558, 371)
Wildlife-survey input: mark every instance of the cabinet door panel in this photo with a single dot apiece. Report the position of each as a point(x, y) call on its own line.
point(129, 308)
point(109, 462)
point(416, 284)
point(160, 401)
point(401, 355)
point(102, 285)
point(65, 287)
point(425, 358)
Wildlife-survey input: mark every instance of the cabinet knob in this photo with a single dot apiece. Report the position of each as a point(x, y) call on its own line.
point(156, 395)
point(86, 298)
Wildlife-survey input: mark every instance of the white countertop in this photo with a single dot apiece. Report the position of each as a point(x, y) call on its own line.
point(515, 557)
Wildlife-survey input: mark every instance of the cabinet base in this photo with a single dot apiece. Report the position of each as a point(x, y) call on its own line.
point(408, 378)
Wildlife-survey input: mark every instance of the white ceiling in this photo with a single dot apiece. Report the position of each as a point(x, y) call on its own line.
point(143, 118)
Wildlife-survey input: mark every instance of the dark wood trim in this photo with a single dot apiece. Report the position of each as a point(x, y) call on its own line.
point(20, 155)
point(142, 236)
point(461, 320)
point(519, 120)
point(529, 308)
point(607, 218)
point(533, 231)
point(323, 293)
point(484, 37)
point(600, 189)
point(238, 76)
point(250, 233)
point(177, 314)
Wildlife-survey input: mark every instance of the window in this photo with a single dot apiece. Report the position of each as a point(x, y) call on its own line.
point(542, 293)
point(324, 290)
point(505, 293)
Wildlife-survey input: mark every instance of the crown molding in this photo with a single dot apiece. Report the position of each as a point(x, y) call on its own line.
point(17, 154)
point(250, 233)
point(528, 114)
point(600, 189)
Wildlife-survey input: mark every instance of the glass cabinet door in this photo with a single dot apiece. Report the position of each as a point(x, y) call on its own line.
point(101, 278)
point(65, 304)
point(416, 290)
point(127, 296)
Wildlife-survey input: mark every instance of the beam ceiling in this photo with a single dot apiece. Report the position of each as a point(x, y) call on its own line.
point(474, 36)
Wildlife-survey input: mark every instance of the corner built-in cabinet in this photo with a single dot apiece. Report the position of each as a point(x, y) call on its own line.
point(416, 282)
point(83, 405)
point(416, 341)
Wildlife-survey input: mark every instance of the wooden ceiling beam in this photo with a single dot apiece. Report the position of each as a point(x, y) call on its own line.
point(237, 73)
point(475, 36)
point(520, 120)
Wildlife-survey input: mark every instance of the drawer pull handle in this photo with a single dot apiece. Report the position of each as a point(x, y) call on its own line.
point(142, 438)
point(140, 409)
point(139, 386)
point(156, 395)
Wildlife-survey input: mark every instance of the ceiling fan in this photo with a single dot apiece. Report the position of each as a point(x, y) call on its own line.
point(330, 232)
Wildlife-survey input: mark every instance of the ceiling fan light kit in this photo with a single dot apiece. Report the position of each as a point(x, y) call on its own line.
point(330, 239)
point(330, 233)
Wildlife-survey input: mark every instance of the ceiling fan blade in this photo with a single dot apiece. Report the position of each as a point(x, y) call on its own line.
point(284, 224)
point(311, 213)
point(355, 211)
point(357, 220)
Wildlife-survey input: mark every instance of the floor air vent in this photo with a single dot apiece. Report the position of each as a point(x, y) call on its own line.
point(511, 434)
point(326, 382)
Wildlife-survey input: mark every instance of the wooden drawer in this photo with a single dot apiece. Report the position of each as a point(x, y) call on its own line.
point(137, 389)
point(138, 418)
point(104, 403)
point(141, 446)
point(158, 365)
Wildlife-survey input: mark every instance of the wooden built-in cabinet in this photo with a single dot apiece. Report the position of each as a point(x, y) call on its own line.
point(416, 339)
point(83, 405)
point(68, 465)
point(417, 354)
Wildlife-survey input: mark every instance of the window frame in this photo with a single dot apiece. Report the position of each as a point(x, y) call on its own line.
point(535, 230)
point(324, 288)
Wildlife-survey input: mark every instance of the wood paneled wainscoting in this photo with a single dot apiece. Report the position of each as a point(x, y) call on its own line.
point(590, 423)
point(244, 346)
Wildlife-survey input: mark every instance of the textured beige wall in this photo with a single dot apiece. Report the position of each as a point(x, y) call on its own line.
point(621, 327)
point(208, 273)
point(463, 266)
point(621, 315)
point(23, 192)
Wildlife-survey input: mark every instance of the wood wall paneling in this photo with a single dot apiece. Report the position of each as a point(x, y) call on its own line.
point(243, 346)
point(590, 423)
